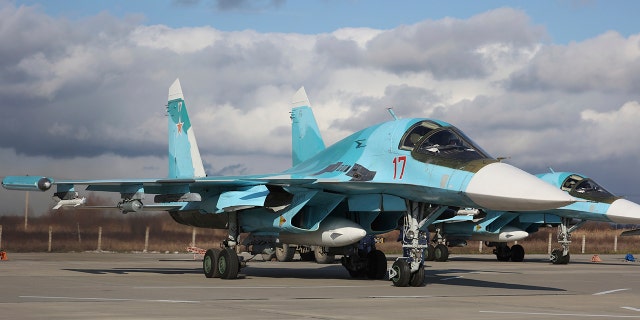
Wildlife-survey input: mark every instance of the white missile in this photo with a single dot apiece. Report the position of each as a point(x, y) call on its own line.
point(332, 232)
point(506, 234)
point(70, 203)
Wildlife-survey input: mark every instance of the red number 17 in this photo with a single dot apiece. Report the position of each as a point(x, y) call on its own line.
point(396, 162)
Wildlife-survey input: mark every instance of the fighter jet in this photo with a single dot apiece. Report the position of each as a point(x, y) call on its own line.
point(497, 228)
point(408, 169)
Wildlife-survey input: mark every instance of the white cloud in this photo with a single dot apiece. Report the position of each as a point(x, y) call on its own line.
point(608, 62)
point(360, 35)
point(183, 40)
point(611, 134)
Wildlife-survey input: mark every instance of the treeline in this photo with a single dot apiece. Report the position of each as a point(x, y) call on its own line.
point(80, 229)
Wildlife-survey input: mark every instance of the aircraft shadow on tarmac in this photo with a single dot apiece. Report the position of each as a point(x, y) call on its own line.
point(440, 277)
point(327, 272)
point(433, 276)
point(445, 277)
point(139, 270)
point(334, 271)
point(619, 261)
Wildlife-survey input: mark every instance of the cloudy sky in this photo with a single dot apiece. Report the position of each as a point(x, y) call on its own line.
point(83, 84)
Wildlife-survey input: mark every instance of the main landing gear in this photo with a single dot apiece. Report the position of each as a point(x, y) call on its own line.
point(409, 269)
point(561, 256)
point(364, 260)
point(224, 263)
point(438, 251)
point(505, 253)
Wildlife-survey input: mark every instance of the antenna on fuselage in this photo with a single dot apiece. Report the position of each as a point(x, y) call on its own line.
point(393, 114)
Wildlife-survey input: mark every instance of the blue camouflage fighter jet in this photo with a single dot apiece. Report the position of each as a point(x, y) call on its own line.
point(401, 172)
point(497, 228)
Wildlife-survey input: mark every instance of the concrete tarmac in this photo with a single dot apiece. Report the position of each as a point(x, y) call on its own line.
point(172, 286)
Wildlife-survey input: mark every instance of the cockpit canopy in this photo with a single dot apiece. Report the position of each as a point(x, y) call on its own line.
point(585, 188)
point(431, 142)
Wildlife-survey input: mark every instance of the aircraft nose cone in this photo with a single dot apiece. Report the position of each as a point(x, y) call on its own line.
point(500, 186)
point(624, 211)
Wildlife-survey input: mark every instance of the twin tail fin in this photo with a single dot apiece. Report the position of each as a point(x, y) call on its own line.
point(184, 155)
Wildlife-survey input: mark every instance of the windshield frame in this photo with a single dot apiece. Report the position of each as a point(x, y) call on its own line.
point(463, 153)
point(595, 193)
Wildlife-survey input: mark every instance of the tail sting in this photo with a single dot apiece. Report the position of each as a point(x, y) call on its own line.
point(184, 155)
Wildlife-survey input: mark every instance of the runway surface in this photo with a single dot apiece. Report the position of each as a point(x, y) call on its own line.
point(172, 286)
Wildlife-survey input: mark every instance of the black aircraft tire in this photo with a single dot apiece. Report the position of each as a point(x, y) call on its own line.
point(285, 253)
point(555, 255)
point(558, 258)
point(376, 265)
point(517, 253)
point(403, 273)
point(228, 264)
point(417, 278)
point(210, 263)
point(503, 253)
point(430, 256)
point(441, 253)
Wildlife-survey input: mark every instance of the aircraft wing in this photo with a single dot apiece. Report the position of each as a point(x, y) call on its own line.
point(171, 193)
point(122, 185)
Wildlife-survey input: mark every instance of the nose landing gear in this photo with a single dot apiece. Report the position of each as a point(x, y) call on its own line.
point(409, 269)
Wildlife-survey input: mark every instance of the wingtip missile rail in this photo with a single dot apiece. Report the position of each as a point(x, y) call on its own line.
point(27, 183)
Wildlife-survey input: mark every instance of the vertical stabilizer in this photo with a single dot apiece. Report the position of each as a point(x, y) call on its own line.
point(306, 140)
point(184, 155)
